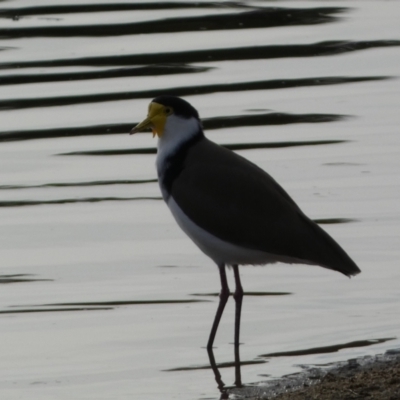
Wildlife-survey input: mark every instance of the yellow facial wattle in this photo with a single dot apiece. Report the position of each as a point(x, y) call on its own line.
point(156, 119)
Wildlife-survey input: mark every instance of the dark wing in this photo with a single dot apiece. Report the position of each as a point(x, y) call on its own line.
point(228, 195)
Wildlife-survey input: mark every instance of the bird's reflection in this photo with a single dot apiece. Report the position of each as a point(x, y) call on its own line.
point(218, 378)
point(238, 376)
point(217, 375)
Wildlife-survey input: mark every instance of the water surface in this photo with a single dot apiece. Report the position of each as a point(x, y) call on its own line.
point(102, 296)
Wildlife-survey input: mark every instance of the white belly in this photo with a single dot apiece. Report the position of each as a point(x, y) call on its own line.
point(218, 250)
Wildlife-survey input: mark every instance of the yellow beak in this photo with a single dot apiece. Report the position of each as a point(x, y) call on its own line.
point(155, 120)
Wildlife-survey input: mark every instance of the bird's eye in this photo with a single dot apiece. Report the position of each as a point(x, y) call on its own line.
point(168, 111)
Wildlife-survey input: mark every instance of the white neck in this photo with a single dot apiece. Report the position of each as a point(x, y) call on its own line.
point(177, 130)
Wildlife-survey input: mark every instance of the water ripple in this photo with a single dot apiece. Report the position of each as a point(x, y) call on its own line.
point(79, 184)
point(23, 203)
point(328, 349)
point(12, 104)
point(16, 13)
point(234, 146)
point(151, 70)
point(261, 18)
point(20, 278)
point(208, 124)
point(326, 48)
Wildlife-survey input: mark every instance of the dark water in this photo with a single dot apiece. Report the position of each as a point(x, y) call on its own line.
point(309, 91)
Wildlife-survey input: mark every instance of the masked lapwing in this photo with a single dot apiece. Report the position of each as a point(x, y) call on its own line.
point(233, 211)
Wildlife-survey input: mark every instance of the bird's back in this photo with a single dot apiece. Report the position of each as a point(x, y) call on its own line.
point(249, 208)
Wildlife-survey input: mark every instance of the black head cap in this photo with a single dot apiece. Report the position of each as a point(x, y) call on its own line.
point(181, 107)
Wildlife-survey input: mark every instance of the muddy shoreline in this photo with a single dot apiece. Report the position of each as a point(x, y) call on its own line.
point(370, 377)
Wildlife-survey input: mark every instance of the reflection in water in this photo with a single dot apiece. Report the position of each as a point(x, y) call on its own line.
point(122, 303)
point(86, 306)
point(212, 55)
point(327, 349)
point(278, 145)
point(14, 104)
point(247, 294)
point(217, 374)
point(328, 221)
point(258, 18)
point(94, 60)
point(271, 118)
point(23, 203)
point(101, 74)
point(224, 365)
point(78, 184)
point(208, 123)
point(18, 278)
point(49, 310)
point(342, 164)
point(237, 364)
point(98, 7)
point(234, 146)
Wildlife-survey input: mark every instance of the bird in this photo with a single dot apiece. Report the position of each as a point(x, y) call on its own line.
point(233, 210)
